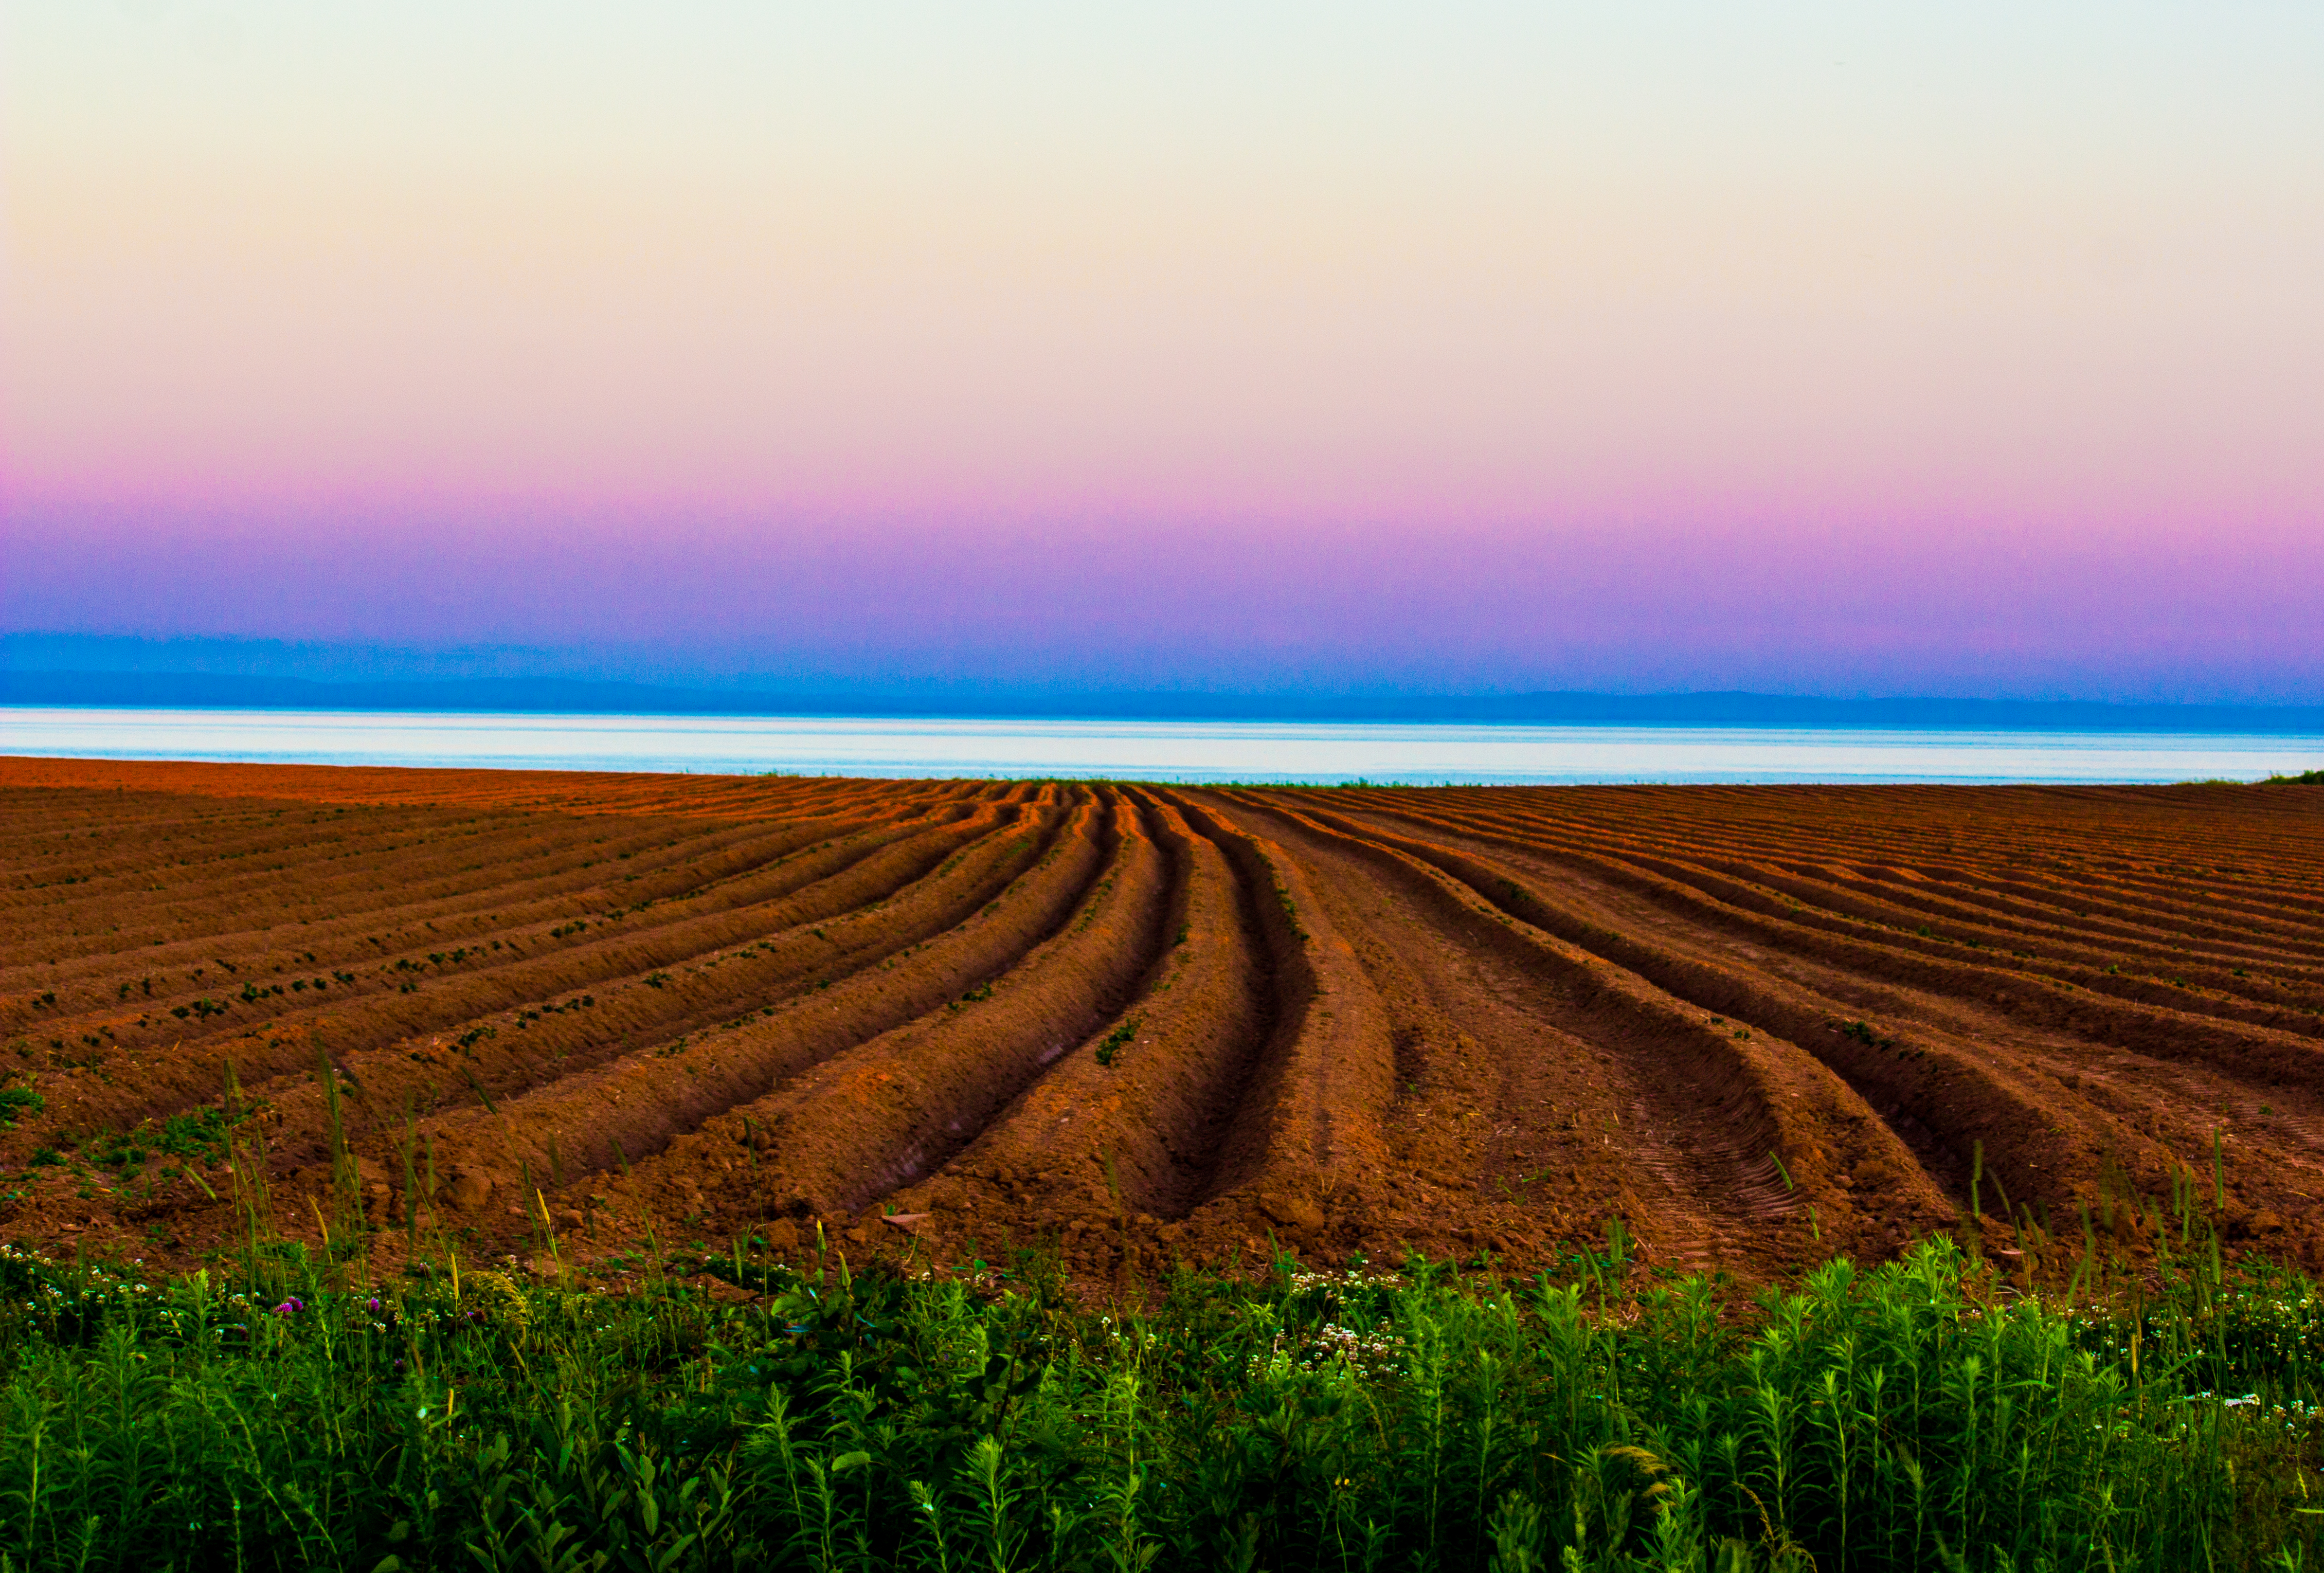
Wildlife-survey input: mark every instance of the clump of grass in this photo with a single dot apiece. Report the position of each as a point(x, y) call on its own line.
point(1862, 1031)
point(16, 1103)
point(1119, 1039)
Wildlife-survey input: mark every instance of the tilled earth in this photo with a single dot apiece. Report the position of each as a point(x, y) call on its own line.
point(1749, 1027)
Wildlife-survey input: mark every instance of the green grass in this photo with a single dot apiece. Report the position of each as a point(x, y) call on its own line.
point(1119, 1039)
point(1915, 1416)
point(15, 1101)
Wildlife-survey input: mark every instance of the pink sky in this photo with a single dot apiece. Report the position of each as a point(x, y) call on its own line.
point(1961, 352)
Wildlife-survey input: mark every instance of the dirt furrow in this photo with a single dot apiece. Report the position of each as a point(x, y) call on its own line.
point(401, 1041)
point(1135, 1120)
point(1946, 1071)
point(1754, 1025)
point(2056, 933)
point(2083, 912)
point(612, 1116)
point(432, 864)
point(2253, 1051)
point(1578, 1044)
point(369, 935)
point(2265, 1002)
point(889, 1112)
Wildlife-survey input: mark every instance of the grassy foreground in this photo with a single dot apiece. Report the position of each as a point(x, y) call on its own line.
point(1915, 1416)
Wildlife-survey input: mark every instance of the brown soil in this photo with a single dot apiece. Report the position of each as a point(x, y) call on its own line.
point(1755, 1025)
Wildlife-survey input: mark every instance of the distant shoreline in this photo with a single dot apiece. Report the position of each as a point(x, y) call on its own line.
point(558, 696)
point(1153, 748)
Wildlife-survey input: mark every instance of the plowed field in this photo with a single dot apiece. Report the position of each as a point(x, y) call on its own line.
point(1755, 1025)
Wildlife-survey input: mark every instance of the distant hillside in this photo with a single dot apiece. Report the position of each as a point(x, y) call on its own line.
point(559, 695)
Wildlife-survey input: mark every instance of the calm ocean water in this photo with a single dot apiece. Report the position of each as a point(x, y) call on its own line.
point(1171, 751)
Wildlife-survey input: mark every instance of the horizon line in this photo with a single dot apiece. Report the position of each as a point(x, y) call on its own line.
point(581, 697)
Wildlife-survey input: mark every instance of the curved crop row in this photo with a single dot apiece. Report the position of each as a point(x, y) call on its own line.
point(1731, 1028)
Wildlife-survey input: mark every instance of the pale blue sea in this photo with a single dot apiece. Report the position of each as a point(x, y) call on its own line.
point(1147, 750)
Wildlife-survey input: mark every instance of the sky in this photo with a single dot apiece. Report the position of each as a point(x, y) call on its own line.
point(1950, 349)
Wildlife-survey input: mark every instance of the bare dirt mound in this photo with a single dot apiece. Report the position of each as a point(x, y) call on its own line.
point(1741, 1027)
